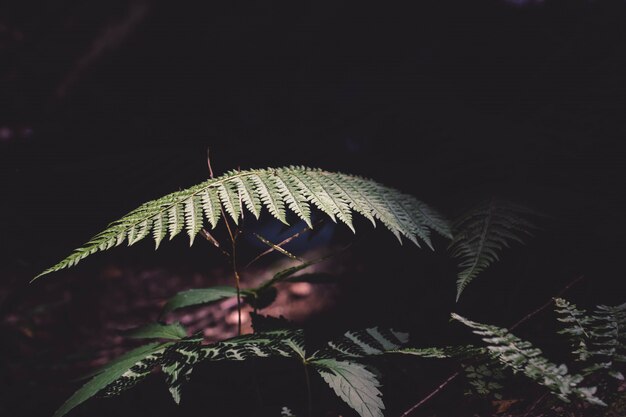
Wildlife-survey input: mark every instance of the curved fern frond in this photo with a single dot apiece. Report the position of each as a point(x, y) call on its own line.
point(296, 188)
point(520, 356)
point(480, 235)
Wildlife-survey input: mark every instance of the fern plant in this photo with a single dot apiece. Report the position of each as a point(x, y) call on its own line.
point(299, 190)
point(477, 238)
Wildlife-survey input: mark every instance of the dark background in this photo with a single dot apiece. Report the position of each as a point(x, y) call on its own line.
point(104, 105)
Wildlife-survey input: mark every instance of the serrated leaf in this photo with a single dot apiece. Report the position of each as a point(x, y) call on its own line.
point(198, 296)
point(354, 384)
point(108, 375)
point(229, 197)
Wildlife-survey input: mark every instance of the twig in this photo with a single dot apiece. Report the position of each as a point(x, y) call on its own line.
point(277, 248)
point(527, 317)
point(432, 394)
point(535, 404)
point(205, 234)
point(108, 39)
point(547, 304)
point(282, 243)
point(208, 161)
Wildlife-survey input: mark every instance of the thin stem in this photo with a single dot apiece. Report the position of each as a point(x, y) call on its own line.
point(208, 161)
point(233, 238)
point(309, 397)
point(236, 273)
point(547, 304)
point(282, 243)
point(432, 394)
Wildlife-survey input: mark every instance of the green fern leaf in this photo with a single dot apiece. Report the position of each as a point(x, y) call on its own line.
point(248, 195)
point(482, 233)
point(211, 206)
point(176, 219)
point(577, 327)
point(193, 217)
point(335, 194)
point(294, 198)
point(269, 195)
point(181, 357)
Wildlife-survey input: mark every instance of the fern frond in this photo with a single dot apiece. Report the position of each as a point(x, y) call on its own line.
point(180, 358)
point(520, 356)
point(480, 235)
point(362, 343)
point(296, 188)
point(576, 327)
point(599, 339)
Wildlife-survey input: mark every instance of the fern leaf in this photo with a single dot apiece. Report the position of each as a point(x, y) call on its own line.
point(229, 196)
point(176, 219)
point(354, 384)
point(248, 195)
point(577, 329)
point(482, 233)
point(335, 194)
point(295, 200)
point(269, 195)
point(159, 229)
point(181, 357)
point(211, 206)
point(193, 217)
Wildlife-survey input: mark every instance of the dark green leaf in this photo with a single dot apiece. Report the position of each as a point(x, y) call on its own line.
point(172, 331)
point(107, 375)
point(198, 296)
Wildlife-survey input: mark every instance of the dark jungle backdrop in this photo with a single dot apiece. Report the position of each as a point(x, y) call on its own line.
point(107, 104)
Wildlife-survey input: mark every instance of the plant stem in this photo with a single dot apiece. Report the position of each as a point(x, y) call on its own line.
point(432, 394)
point(309, 400)
point(236, 273)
